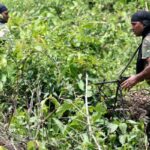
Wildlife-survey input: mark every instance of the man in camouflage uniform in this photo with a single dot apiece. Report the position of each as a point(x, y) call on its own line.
point(141, 27)
point(4, 16)
point(141, 107)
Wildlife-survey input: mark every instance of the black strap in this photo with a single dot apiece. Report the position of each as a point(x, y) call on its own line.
point(124, 69)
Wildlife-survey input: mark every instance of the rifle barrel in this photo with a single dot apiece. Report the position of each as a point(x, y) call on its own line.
point(107, 82)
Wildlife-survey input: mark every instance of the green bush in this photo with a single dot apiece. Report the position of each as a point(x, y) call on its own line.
point(56, 43)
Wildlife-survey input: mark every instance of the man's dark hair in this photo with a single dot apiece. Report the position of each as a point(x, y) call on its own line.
point(143, 16)
point(3, 8)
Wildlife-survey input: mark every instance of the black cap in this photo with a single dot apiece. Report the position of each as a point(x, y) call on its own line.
point(141, 16)
point(3, 8)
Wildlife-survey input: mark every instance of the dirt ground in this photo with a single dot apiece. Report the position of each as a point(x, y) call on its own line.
point(138, 103)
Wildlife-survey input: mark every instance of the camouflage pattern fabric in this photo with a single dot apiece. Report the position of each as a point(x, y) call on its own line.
point(4, 32)
point(146, 50)
point(146, 47)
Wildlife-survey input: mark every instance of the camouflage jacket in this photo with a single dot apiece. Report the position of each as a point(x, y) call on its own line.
point(146, 47)
point(143, 53)
point(4, 32)
point(146, 50)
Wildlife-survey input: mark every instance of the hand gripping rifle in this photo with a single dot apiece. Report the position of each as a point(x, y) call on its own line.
point(118, 82)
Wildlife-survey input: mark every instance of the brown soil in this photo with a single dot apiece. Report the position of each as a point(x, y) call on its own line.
point(138, 103)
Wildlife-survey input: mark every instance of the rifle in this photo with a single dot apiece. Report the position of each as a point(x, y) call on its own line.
point(118, 92)
point(118, 81)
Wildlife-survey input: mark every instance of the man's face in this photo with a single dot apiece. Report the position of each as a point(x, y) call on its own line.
point(5, 16)
point(137, 28)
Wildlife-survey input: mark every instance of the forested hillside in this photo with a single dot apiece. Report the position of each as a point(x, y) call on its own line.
point(57, 52)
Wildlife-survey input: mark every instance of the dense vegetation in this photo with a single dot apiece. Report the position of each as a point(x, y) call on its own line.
point(43, 70)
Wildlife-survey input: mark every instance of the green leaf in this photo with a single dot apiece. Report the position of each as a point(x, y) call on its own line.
point(131, 137)
point(112, 127)
point(60, 125)
point(3, 62)
point(38, 48)
point(81, 85)
point(44, 108)
point(85, 138)
point(54, 101)
point(31, 145)
point(122, 139)
point(1, 86)
point(100, 110)
point(89, 94)
point(3, 79)
point(123, 127)
point(64, 107)
point(132, 122)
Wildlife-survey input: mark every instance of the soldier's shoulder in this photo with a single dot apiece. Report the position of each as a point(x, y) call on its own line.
point(147, 37)
point(4, 30)
point(147, 40)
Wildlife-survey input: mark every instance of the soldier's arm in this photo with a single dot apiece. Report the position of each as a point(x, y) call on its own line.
point(133, 80)
point(145, 74)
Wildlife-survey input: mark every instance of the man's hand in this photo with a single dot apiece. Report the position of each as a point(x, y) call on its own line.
point(129, 83)
point(133, 80)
